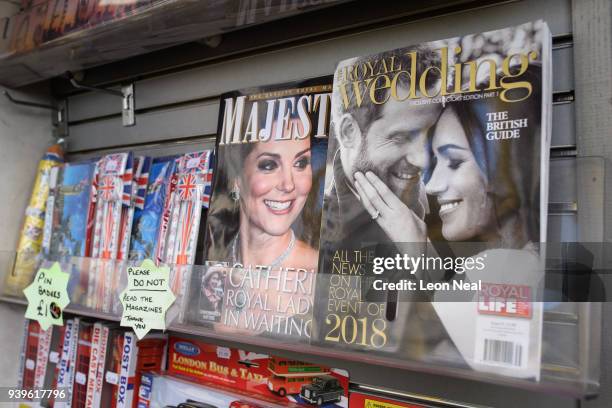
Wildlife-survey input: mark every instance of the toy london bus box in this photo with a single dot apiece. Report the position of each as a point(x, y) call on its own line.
point(273, 377)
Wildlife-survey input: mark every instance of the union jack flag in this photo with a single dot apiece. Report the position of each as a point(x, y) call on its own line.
point(114, 163)
point(196, 162)
point(141, 181)
point(201, 164)
point(127, 178)
point(187, 187)
point(208, 176)
point(108, 188)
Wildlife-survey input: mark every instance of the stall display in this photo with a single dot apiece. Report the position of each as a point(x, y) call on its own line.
point(110, 367)
point(425, 166)
point(439, 158)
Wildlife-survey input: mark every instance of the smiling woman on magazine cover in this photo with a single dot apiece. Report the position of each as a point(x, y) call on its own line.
point(482, 189)
point(270, 187)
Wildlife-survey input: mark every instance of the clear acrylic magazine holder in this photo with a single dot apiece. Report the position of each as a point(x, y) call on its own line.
point(282, 314)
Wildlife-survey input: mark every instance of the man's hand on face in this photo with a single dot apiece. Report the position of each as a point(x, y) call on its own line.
point(422, 205)
point(400, 223)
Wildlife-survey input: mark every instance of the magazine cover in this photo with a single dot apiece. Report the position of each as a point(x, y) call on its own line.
point(271, 147)
point(437, 163)
point(265, 211)
point(145, 231)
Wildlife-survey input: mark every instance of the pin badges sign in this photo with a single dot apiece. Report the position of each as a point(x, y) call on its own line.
point(48, 296)
point(146, 298)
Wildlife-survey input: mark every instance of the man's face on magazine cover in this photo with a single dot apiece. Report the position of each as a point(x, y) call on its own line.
point(395, 147)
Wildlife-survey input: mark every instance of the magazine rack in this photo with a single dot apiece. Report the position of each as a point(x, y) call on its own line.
point(44, 43)
point(571, 331)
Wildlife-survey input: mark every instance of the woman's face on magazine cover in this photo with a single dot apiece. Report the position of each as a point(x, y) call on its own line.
point(276, 181)
point(458, 182)
point(213, 282)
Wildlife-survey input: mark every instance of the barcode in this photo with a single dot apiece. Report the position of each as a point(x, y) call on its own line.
point(505, 352)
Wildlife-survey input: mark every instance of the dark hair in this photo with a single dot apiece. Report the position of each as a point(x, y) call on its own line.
point(236, 155)
point(509, 165)
point(368, 112)
point(208, 276)
point(224, 215)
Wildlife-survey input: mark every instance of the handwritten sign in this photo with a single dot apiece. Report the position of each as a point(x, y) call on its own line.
point(146, 298)
point(48, 296)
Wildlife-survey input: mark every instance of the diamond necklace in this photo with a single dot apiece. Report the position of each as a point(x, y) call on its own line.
point(276, 262)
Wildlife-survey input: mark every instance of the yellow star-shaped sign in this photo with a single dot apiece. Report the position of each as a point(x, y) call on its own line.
point(146, 298)
point(48, 296)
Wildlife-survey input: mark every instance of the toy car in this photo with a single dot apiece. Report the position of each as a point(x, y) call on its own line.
point(325, 388)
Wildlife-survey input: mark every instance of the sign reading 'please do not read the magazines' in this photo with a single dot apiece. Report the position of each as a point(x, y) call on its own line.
point(146, 298)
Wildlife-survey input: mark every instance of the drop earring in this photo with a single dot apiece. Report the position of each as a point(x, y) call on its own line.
point(235, 194)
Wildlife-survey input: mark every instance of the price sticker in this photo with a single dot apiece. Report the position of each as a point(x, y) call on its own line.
point(48, 296)
point(146, 298)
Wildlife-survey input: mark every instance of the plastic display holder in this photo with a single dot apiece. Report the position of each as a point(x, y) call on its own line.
point(577, 279)
point(570, 345)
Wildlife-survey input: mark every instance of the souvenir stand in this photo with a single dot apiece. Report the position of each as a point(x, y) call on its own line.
point(148, 80)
